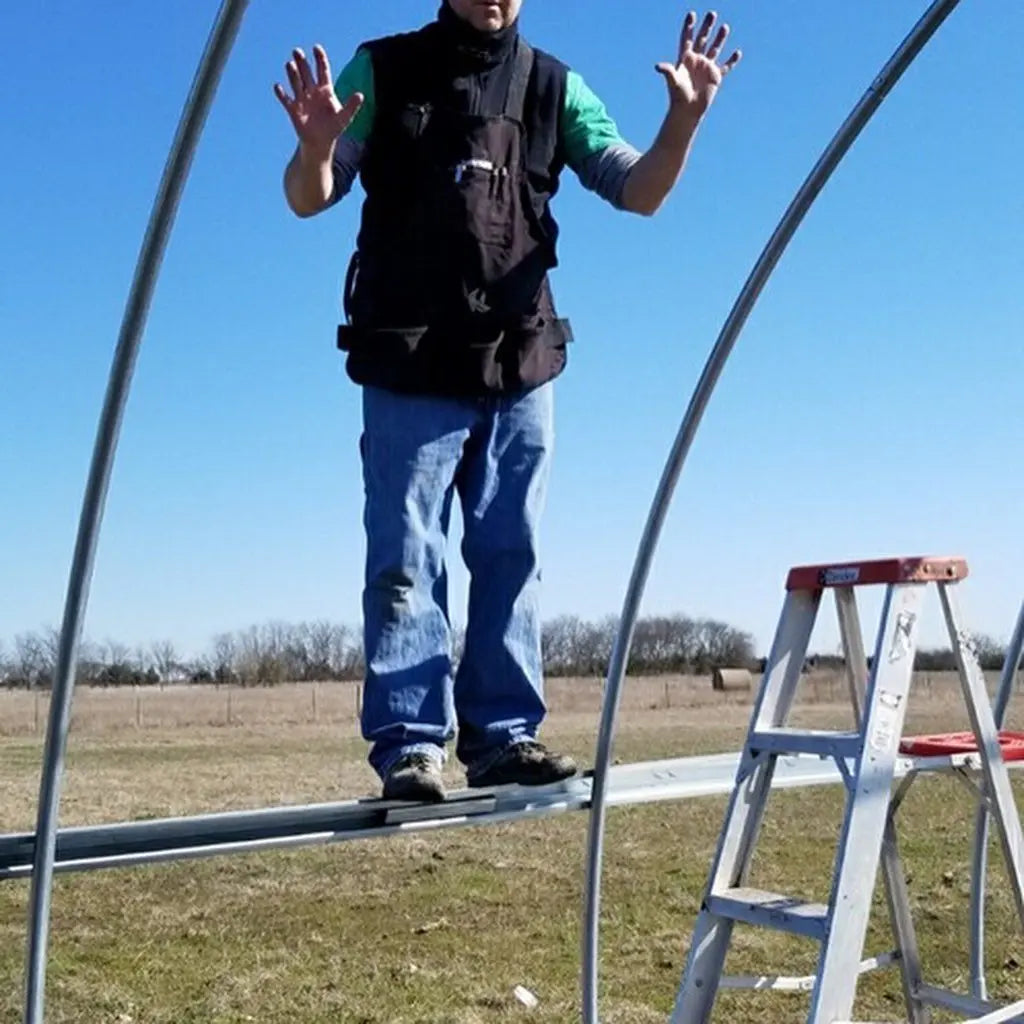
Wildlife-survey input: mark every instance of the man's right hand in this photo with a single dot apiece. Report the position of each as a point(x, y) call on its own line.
point(316, 114)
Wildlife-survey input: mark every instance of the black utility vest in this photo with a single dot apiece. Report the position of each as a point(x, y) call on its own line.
point(448, 292)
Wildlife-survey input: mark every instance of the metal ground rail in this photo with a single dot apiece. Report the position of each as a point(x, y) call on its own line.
point(131, 844)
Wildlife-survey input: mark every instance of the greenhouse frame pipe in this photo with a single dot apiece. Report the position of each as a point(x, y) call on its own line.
point(179, 162)
point(869, 103)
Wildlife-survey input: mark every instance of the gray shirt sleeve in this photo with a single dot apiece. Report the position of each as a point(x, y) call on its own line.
point(606, 171)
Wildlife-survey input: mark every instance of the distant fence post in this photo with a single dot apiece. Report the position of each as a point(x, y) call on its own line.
point(359, 701)
point(227, 710)
point(138, 708)
point(35, 725)
point(316, 686)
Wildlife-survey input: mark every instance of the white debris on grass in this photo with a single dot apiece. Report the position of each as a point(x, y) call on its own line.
point(526, 997)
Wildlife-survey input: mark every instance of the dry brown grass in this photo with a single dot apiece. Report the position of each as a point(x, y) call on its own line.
point(438, 930)
point(101, 711)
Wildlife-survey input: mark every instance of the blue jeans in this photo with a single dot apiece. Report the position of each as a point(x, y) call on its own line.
point(418, 452)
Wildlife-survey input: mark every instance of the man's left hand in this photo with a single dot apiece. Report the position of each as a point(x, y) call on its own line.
point(694, 80)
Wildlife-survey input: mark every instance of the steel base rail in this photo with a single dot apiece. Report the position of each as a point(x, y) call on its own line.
point(162, 840)
point(138, 842)
point(794, 215)
point(214, 58)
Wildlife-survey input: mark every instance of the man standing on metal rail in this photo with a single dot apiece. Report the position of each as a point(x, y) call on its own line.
point(459, 132)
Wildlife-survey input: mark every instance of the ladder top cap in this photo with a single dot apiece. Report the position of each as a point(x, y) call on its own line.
point(924, 569)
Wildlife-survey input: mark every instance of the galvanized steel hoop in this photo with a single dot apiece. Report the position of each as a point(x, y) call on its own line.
point(179, 161)
point(766, 263)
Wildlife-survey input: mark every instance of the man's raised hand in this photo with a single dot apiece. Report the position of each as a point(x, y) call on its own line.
point(315, 111)
point(694, 79)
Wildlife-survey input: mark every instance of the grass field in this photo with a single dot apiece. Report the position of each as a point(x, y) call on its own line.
point(440, 929)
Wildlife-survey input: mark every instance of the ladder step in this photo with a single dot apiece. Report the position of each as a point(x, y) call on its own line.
point(771, 910)
point(822, 742)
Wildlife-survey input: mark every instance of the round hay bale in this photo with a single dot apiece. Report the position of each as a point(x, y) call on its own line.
point(733, 679)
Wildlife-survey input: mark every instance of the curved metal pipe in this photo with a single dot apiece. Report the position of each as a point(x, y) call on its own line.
point(204, 85)
point(979, 859)
point(829, 160)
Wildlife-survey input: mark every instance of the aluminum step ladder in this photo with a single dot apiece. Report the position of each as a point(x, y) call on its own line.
point(867, 759)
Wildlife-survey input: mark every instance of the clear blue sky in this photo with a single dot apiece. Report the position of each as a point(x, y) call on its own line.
point(872, 407)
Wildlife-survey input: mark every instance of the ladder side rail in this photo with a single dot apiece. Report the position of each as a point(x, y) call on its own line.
point(786, 660)
point(979, 863)
point(852, 636)
point(898, 900)
point(710, 940)
point(995, 777)
point(867, 811)
point(979, 860)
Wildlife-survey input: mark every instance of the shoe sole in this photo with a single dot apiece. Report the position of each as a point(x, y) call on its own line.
point(416, 795)
point(489, 783)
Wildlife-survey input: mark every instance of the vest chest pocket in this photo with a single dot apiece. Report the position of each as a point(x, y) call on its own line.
point(413, 119)
point(482, 201)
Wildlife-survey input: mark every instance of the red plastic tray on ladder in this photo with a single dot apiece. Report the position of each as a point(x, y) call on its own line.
point(1010, 743)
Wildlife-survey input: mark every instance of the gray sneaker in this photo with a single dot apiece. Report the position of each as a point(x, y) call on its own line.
point(527, 763)
point(415, 777)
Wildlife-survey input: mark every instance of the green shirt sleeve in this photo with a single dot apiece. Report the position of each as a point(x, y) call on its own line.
point(357, 76)
point(587, 127)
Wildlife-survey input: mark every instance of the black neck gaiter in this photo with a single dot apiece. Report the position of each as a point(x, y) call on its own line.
point(469, 49)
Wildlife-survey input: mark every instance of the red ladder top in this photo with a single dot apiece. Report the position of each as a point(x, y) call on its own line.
point(922, 569)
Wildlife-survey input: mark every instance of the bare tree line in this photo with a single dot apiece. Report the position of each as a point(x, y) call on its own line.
point(665, 643)
point(263, 655)
point(279, 652)
point(989, 652)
